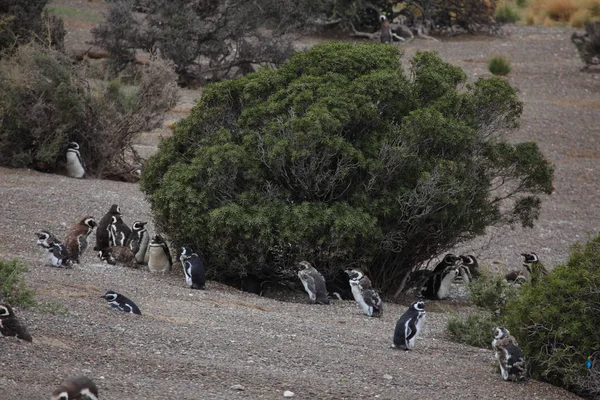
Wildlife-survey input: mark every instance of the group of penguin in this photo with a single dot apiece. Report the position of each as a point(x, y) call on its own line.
point(116, 242)
point(433, 284)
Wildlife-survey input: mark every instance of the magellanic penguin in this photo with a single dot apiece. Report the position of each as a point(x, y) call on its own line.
point(193, 268)
point(118, 254)
point(533, 266)
point(159, 256)
point(367, 298)
point(509, 355)
point(409, 326)
point(56, 251)
point(138, 241)
point(78, 388)
point(313, 282)
point(386, 30)
point(10, 325)
point(75, 165)
point(438, 284)
point(470, 262)
point(120, 302)
point(118, 231)
point(102, 232)
point(76, 241)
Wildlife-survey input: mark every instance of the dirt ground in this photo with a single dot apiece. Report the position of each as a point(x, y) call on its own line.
point(224, 344)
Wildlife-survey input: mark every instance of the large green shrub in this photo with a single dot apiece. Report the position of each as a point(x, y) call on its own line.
point(45, 103)
point(557, 322)
point(339, 157)
point(12, 287)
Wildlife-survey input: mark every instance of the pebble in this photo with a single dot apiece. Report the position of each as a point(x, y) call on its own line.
point(238, 387)
point(388, 377)
point(288, 393)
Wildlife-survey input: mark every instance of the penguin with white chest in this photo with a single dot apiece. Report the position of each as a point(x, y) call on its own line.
point(120, 302)
point(409, 326)
point(438, 283)
point(367, 298)
point(10, 324)
point(76, 241)
point(509, 355)
point(159, 256)
point(138, 241)
point(118, 231)
point(102, 231)
point(56, 251)
point(193, 268)
point(75, 165)
point(313, 283)
point(78, 388)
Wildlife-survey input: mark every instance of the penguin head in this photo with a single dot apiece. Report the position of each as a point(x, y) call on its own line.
point(44, 238)
point(6, 311)
point(418, 306)
point(89, 221)
point(58, 395)
point(467, 260)
point(530, 258)
point(115, 209)
point(74, 145)
point(450, 259)
point(138, 225)
point(104, 255)
point(304, 265)
point(501, 333)
point(110, 295)
point(382, 18)
point(186, 252)
point(354, 275)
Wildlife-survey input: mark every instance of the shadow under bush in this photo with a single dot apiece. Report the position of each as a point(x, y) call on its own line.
point(45, 104)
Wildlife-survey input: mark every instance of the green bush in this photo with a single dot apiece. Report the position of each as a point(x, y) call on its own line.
point(492, 293)
point(339, 157)
point(506, 15)
point(521, 3)
point(12, 287)
point(476, 329)
point(499, 66)
point(45, 104)
point(557, 322)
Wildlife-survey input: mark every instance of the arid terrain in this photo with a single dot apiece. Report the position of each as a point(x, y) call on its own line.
point(224, 344)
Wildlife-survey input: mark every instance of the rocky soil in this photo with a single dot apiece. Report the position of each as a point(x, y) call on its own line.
point(224, 344)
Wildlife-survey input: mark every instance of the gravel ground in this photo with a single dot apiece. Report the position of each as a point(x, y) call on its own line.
point(223, 344)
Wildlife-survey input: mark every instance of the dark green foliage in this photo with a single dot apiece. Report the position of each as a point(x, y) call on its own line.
point(476, 329)
point(492, 293)
point(24, 20)
point(499, 65)
point(45, 104)
point(340, 158)
point(557, 322)
point(506, 15)
point(12, 287)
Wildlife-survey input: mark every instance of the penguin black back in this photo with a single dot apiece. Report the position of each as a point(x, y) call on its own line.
point(78, 388)
point(102, 232)
point(10, 324)
point(193, 267)
point(120, 302)
point(409, 326)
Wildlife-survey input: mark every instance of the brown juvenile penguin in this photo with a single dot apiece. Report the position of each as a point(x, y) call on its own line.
point(79, 388)
point(386, 30)
point(76, 241)
point(118, 254)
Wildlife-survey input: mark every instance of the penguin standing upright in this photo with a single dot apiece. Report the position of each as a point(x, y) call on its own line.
point(438, 284)
point(364, 294)
point(118, 231)
point(120, 302)
point(138, 241)
point(313, 283)
point(386, 30)
point(409, 326)
point(102, 232)
point(533, 266)
point(76, 241)
point(509, 355)
point(75, 165)
point(159, 256)
point(56, 251)
point(193, 268)
point(78, 388)
point(10, 325)
point(470, 262)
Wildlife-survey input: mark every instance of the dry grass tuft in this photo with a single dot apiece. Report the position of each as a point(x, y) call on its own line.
point(575, 13)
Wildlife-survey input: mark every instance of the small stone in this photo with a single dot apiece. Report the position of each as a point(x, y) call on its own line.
point(238, 387)
point(288, 393)
point(388, 377)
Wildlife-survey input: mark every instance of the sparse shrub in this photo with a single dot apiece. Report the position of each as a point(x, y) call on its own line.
point(499, 65)
point(24, 20)
point(521, 3)
point(492, 293)
point(12, 286)
point(506, 15)
point(340, 157)
point(576, 13)
point(556, 322)
point(475, 329)
point(45, 104)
